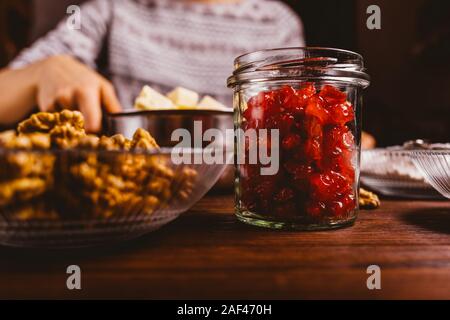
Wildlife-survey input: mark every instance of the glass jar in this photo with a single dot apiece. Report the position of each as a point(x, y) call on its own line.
point(298, 134)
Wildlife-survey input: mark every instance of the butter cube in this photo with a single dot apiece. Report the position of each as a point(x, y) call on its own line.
point(210, 103)
point(183, 97)
point(150, 99)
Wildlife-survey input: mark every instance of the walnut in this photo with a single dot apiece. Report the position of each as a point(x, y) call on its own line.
point(6, 137)
point(35, 211)
point(10, 140)
point(39, 122)
point(45, 121)
point(65, 136)
point(74, 118)
point(184, 183)
point(368, 200)
point(65, 128)
point(105, 184)
point(39, 141)
point(116, 142)
point(88, 142)
point(21, 166)
point(21, 163)
point(108, 192)
point(21, 190)
point(142, 140)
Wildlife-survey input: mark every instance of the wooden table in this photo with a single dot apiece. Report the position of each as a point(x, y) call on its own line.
point(208, 254)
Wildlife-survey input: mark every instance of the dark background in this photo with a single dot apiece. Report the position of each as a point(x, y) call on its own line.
point(408, 59)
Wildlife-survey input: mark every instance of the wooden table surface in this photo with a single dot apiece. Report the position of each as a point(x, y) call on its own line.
point(207, 254)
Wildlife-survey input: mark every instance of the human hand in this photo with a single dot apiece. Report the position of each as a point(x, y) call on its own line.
point(65, 83)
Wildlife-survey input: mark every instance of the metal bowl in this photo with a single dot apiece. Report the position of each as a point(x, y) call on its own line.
point(162, 123)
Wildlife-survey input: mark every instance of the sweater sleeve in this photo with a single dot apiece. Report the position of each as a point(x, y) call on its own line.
point(291, 27)
point(83, 43)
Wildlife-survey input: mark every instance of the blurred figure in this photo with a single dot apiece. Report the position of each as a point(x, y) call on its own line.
point(164, 43)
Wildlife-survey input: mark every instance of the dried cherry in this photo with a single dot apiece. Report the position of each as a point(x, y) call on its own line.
point(317, 151)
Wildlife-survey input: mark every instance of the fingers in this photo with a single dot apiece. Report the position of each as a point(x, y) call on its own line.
point(45, 103)
point(62, 100)
point(109, 98)
point(88, 101)
point(88, 98)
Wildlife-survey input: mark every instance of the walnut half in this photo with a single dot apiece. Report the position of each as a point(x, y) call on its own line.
point(368, 200)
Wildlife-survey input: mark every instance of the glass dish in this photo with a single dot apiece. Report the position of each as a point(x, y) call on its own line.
point(391, 172)
point(78, 198)
point(162, 123)
point(435, 167)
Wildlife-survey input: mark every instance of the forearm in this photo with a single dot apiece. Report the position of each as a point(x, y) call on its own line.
point(17, 93)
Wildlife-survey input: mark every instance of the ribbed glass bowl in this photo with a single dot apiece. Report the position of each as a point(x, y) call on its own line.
point(435, 167)
point(76, 198)
point(392, 172)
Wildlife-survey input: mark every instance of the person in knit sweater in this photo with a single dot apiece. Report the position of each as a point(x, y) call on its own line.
point(162, 43)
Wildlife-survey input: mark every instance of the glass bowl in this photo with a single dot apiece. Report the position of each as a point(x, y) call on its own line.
point(162, 123)
point(391, 172)
point(435, 167)
point(78, 198)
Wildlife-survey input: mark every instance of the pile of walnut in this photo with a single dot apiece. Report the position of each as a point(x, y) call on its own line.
point(96, 182)
point(368, 200)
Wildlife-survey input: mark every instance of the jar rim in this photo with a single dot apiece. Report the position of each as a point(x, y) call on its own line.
point(300, 63)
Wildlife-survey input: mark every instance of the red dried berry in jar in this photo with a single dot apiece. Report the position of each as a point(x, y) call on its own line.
point(340, 114)
point(332, 95)
point(337, 209)
point(315, 209)
point(294, 101)
point(338, 151)
point(311, 127)
point(260, 108)
point(336, 140)
point(263, 206)
point(288, 98)
point(249, 199)
point(282, 122)
point(287, 209)
point(318, 155)
point(327, 185)
point(314, 135)
point(342, 206)
point(265, 189)
point(306, 91)
point(291, 141)
point(249, 171)
point(316, 108)
point(310, 151)
point(255, 117)
point(299, 174)
point(258, 142)
point(285, 194)
point(340, 165)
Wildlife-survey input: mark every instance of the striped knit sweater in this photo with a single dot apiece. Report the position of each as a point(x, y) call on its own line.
point(168, 43)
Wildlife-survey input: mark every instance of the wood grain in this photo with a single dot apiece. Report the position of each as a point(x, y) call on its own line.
point(207, 254)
